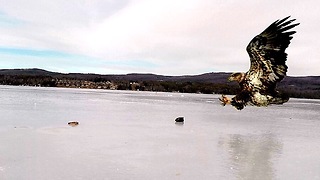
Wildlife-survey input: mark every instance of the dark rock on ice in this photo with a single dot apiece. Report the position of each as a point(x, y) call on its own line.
point(180, 119)
point(73, 123)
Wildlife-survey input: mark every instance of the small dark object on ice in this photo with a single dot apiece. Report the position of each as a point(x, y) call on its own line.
point(73, 123)
point(179, 119)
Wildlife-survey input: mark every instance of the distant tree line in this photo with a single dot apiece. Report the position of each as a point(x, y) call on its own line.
point(27, 80)
point(312, 92)
point(298, 93)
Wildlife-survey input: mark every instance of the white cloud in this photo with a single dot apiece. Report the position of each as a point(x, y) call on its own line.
point(178, 37)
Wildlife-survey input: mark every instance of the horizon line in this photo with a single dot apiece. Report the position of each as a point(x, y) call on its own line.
point(141, 73)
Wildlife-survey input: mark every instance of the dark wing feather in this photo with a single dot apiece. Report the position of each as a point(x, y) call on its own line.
point(267, 53)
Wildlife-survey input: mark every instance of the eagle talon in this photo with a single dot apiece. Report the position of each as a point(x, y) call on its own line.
point(224, 100)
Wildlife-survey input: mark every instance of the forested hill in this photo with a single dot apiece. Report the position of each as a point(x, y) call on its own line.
point(302, 87)
point(208, 77)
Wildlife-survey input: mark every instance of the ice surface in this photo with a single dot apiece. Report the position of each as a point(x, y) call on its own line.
point(133, 135)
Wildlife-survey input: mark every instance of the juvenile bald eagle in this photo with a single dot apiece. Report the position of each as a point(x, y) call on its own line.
point(267, 67)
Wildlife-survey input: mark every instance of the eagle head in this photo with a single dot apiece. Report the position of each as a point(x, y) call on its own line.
point(236, 77)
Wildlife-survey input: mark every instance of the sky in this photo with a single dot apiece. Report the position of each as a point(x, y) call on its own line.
point(167, 37)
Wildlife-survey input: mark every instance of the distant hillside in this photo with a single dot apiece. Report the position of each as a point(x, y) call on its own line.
point(31, 72)
point(208, 77)
point(302, 87)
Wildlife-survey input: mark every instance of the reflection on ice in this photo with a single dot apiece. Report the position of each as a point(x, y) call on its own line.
point(252, 156)
point(179, 123)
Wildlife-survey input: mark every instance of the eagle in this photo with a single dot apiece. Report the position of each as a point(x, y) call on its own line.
point(267, 67)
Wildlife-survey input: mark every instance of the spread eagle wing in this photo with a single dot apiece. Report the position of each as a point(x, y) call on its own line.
point(267, 55)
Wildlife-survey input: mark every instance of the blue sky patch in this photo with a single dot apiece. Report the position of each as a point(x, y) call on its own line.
point(9, 21)
point(67, 62)
point(32, 52)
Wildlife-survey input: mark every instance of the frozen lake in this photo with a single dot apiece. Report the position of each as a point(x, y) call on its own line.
point(132, 135)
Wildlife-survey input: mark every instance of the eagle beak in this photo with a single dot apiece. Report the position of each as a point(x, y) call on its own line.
point(230, 78)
